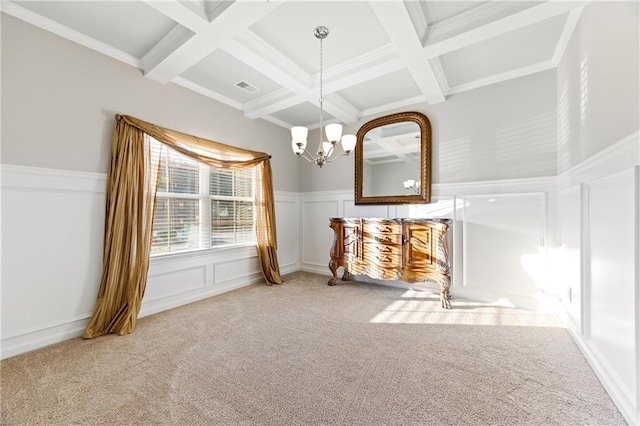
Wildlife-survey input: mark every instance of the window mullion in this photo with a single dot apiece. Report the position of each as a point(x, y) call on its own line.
point(205, 207)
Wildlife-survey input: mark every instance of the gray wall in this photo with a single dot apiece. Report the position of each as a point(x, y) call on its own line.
point(59, 100)
point(598, 85)
point(503, 131)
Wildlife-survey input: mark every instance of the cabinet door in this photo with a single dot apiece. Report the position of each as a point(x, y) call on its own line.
point(420, 245)
point(351, 240)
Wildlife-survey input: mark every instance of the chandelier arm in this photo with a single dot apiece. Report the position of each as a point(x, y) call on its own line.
point(330, 151)
point(344, 154)
point(307, 157)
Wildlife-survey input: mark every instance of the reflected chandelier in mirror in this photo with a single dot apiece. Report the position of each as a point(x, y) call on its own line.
point(393, 160)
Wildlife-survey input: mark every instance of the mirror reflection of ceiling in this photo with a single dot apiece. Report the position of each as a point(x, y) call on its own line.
point(261, 57)
point(392, 143)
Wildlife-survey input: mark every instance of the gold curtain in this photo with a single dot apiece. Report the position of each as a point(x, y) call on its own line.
point(131, 189)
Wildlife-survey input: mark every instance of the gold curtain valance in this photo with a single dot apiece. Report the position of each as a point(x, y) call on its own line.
point(215, 154)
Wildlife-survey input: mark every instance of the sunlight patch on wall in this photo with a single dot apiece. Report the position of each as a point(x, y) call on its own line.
point(535, 265)
point(436, 209)
point(564, 129)
point(528, 147)
point(584, 87)
point(454, 160)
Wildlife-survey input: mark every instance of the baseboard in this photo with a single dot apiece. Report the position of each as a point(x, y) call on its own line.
point(289, 268)
point(36, 339)
point(47, 336)
point(616, 391)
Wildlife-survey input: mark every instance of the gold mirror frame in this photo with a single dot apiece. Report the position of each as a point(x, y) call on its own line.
point(424, 196)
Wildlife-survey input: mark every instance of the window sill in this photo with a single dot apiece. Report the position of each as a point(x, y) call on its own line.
point(191, 254)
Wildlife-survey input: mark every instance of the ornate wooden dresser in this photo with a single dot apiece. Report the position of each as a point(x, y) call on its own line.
point(411, 250)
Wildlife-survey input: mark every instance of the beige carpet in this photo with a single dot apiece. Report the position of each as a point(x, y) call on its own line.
point(304, 354)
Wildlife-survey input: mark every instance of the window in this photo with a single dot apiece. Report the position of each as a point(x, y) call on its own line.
point(200, 207)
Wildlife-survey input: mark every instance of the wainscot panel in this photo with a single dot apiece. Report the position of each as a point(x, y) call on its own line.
point(287, 214)
point(54, 219)
point(504, 248)
point(52, 230)
point(317, 237)
point(608, 211)
point(611, 254)
point(566, 258)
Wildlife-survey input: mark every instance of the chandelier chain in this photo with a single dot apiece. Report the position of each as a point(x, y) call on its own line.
point(321, 92)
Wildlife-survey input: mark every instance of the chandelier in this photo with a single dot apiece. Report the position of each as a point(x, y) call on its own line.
point(411, 184)
point(332, 131)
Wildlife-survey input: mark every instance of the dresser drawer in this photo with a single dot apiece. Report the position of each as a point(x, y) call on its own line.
point(382, 227)
point(381, 248)
point(382, 238)
point(382, 260)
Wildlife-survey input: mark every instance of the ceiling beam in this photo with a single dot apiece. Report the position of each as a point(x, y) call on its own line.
point(363, 68)
point(303, 87)
point(271, 102)
point(231, 22)
point(397, 23)
point(180, 13)
point(448, 36)
point(259, 55)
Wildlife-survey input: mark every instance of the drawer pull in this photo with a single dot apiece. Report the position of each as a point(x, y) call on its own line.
point(385, 229)
point(384, 249)
point(381, 239)
point(384, 259)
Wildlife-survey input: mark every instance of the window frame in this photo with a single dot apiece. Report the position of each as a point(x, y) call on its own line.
point(205, 200)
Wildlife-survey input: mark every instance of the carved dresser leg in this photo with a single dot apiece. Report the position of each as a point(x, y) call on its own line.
point(334, 268)
point(445, 295)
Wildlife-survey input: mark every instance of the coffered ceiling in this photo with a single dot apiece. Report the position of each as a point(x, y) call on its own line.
point(262, 58)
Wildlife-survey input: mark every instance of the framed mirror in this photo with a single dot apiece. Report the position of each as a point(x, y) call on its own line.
point(393, 160)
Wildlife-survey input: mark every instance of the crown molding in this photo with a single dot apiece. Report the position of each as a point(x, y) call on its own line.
point(188, 84)
point(441, 77)
point(491, 20)
point(393, 106)
point(498, 78)
point(567, 31)
point(63, 31)
point(474, 18)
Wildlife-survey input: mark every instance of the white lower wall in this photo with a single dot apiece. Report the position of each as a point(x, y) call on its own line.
point(599, 252)
point(52, 234)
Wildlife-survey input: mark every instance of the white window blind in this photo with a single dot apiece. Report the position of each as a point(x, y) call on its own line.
point(231, 206)
point(200, 207)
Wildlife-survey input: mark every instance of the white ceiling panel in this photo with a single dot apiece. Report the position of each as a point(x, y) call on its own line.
point(305, 114)
point(380, 56)
point(521, 48)
point(220, 72)
point(386, 89)
point(438, 11)
point(353, 30)
point(131, 26)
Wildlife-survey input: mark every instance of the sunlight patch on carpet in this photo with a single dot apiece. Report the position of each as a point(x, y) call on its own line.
point(422, 308)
